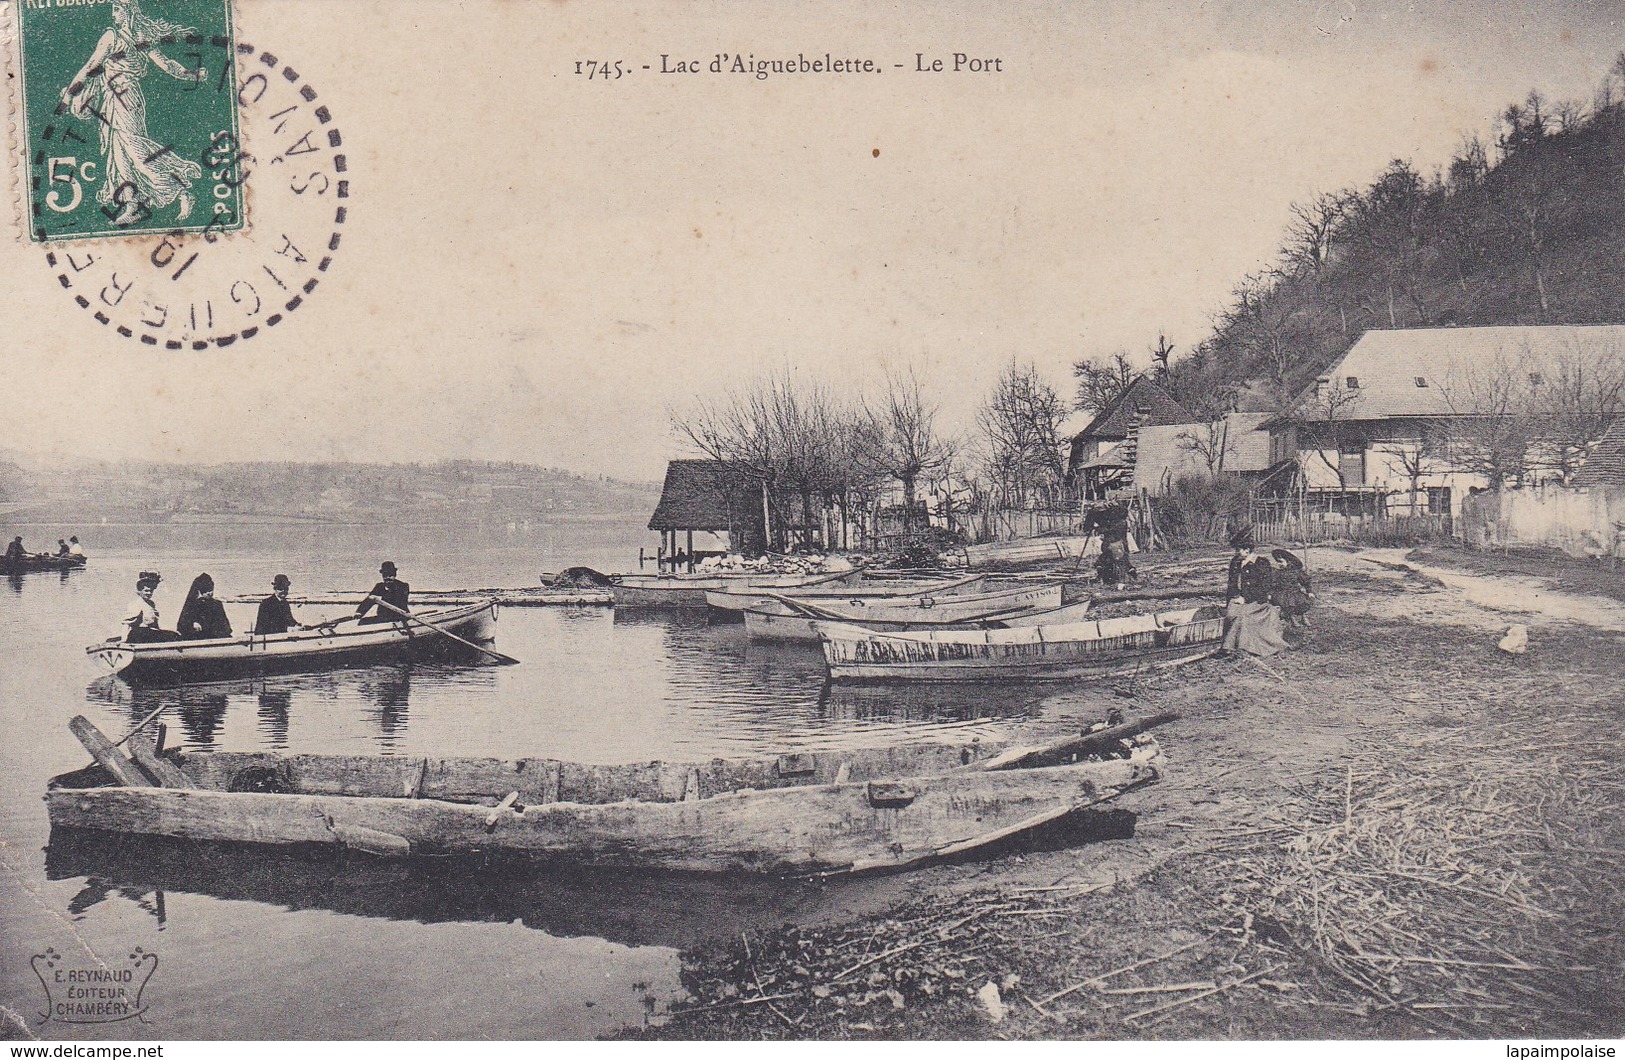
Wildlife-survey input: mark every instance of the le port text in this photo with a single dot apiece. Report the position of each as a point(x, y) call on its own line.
point(761, 66)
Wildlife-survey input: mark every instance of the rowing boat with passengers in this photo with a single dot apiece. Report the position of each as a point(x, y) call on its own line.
point(780, 621)
point(1043, 652)
point(821, 812)
point(344, 643)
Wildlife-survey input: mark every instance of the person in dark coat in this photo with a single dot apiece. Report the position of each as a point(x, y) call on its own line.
point(1111, 522)
point(391, 591)
point(15, 552)
point(274, 615)
point(1241, 541)
point(1291, 591)
point(202, 616)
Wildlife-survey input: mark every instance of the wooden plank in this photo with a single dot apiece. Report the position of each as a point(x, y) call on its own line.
point(162, 771)
point(495, 815)
point(106, 755)
point(1085, 744)
point(370, 840)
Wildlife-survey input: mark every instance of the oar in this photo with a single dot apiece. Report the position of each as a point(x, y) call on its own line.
point(506, 660)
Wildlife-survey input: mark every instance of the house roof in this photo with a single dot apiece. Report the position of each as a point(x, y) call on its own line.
point(1166, 451)
point(1414, 371)
point(1605, 464)
point(1144, 393)
point(696, 495)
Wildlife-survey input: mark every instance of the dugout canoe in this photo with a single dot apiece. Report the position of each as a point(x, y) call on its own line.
point(688, 590)
point(1044, 652)
point(827, 812)
point(738, 599)
point(37, 562)
point(958, 607)
point(780, 622)
point(318, 649)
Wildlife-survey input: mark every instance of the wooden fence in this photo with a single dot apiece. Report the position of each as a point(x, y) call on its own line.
point(1271, 523)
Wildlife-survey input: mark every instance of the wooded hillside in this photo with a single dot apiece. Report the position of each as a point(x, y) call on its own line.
point(1529, 229)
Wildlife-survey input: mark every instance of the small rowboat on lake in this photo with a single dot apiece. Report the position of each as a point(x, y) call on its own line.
point(317, 649)
point(824, 812)
point(1031, 550)
point(1044, 652)
point(688, 590)
point(919, 592)
point(778, 621)
point(37, 562)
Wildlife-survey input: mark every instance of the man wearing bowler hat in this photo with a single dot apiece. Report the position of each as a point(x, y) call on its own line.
point(275, 615)
point(391, 591)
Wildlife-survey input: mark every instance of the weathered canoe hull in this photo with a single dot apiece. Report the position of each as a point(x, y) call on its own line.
point(852, 825)
point(296, 651)
point(942, 611)
point(909, 592)
point(688, 590)
point(1031, 550)
point(1042, 653)
point(848, 827)
point(778, 624)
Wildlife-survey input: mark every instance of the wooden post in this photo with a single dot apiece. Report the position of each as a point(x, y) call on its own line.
point(106, 755)
point(691, 552)
point(163, 771)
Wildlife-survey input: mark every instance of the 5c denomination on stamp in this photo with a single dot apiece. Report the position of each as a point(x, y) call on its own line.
point(130, 118)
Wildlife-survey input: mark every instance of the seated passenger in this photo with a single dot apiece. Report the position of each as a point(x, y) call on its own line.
point(140, 622)
point(274, 615)
point(202, 616)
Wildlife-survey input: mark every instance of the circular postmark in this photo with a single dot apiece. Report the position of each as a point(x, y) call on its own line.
point(236, 276)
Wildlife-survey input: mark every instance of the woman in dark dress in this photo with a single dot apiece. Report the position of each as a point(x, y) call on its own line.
point(202, 616)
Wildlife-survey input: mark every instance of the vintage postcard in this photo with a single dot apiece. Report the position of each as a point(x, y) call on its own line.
point(650, 521)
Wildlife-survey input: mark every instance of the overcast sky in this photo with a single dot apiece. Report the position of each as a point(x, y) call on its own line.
point(536, 266)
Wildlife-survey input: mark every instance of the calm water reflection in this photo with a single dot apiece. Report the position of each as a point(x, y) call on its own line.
point(256, 944)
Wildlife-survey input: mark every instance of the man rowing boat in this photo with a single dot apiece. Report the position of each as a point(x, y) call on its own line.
point(391, 594)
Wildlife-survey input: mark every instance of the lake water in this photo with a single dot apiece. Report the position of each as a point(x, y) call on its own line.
point(253, 945)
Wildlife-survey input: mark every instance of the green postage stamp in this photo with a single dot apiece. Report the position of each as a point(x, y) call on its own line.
point(129, 118)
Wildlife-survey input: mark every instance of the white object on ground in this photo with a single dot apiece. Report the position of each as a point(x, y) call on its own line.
point(1516, 642)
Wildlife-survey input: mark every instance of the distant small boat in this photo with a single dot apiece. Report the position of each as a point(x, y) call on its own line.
point(316, 649)
point(41, 562)
point(688, 590)
point(1031, 550)
point(911, 591)
point(934, 610)
point(1043, 652)
point(827, 812)
point(779, 622)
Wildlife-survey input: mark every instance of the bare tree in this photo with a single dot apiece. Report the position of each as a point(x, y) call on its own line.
point(1102, 383)
point(1492, 423)
point(902, 437)
point(1210, 442)
point(1161, 354)
point(1325, 418)
point(1576, 393)
point(1314, 225)
point(1416, 459)
point(1020, 423)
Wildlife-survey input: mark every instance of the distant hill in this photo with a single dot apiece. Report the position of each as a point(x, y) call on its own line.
point(1530, 230)
point(457, 491)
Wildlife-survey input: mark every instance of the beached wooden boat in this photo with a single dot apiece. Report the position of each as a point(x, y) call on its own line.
point(1044, 652)
point(958, 607)
point(916, 591)
point(37, 562)
point(342, 645)
point(688, 590)
point(777, 621)
point(1031, 550)
point(822, 812)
